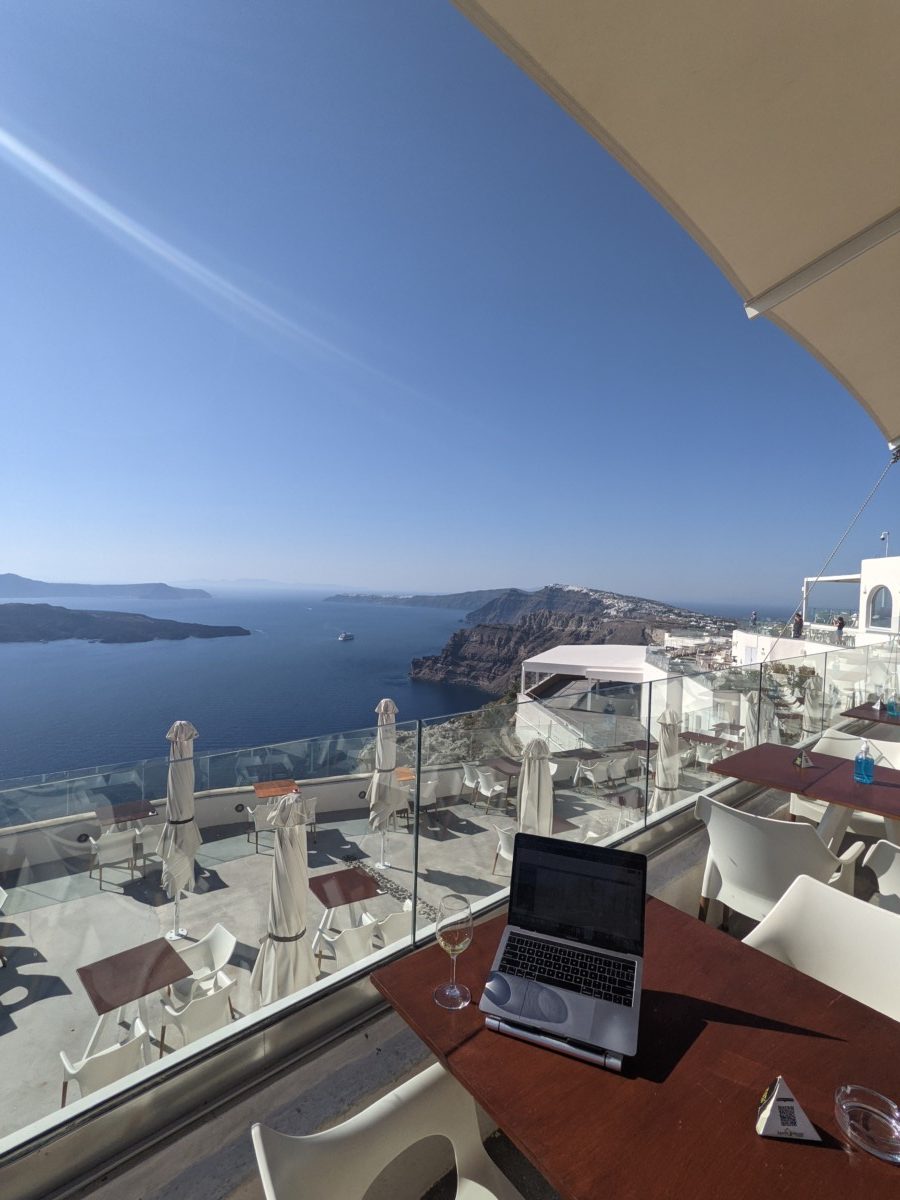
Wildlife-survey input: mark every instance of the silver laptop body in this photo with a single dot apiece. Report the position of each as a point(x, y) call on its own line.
point(570, 962)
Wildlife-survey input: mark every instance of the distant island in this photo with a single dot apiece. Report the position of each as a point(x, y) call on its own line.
point(18, 587)
point(508, 625)
point(50, 623)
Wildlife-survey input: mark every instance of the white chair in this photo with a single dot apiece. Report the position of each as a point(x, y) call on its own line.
point(395, 927)
point(310, 804)
point(843, 942)
point(470, 778)
point(617, 771)
point(506, 841)
point(884, 859)
point(259, 822)
point(202, 1015)
point(554, 767)
point(348, 946)
point(113, 849)
point(206, 958)
point(752, 860)
point(595, 773)
point(97, 1070)
point(490, 786)
point(427, 799)
point(345, 1160)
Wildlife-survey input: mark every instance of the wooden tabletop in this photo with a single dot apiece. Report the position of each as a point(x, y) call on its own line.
point(274, 788)
point(347, 885)
point(404, 774)
point(504, 763)
point(582, 753)
point(719, 1021)
point(121, 978)
point(830, 779)
point(868, 712)
point(701, 739)
point(129, 810)
point(773, 766)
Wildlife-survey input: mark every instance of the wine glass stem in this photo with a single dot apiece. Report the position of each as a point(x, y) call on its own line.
point(453, 972)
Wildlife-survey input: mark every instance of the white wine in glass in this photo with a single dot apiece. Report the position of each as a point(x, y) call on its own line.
point(454, 934)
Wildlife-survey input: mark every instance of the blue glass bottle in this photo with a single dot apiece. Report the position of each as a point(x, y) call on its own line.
point(864, 765)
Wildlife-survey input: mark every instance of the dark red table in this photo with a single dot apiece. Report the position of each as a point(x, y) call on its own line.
point(718, 1022)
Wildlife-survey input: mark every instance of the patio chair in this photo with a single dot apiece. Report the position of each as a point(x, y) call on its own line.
point(470, 779)
point(348, 946)
point(97, 1070)
point(112, 849)
point(344, 1161)
point(259, 822)
point(843, 942)
point(206, 958)
point(395, 927)
point(595, 773)
point(310, 804)
point(617, 770)
point(884, 860)
point(752, 860)
point(202, 1015)
point(427, 799)
point(506, 841)
point(490, 785)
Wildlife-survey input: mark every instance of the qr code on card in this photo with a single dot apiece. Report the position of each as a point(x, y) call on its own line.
point(787, 1116)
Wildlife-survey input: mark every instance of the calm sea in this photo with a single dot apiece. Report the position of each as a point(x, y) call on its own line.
point(72, 704)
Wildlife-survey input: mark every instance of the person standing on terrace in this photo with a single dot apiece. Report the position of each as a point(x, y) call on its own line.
point(839, 629)
point(797, 625)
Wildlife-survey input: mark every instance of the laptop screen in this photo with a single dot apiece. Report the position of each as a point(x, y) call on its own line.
point(589, 894)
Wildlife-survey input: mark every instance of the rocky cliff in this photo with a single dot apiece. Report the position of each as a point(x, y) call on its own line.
point(489, 656)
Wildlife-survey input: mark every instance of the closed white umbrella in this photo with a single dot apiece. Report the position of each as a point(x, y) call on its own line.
point(668, 760)
point(760, 724)
point(535, 790)
point(285, 962)
point(181, 838)
point(813, 704)
point(380, 794)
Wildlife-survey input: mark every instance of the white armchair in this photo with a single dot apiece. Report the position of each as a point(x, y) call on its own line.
point(207, 959)
point(884, 860)
point(202, 1015)
point(595, 773)
point(505, 844)
point(752, 860)
point(115, 848)
point(345, 1160)
point(97, 1070)
point(843, 942)
point(348, 946)
point(490, 786)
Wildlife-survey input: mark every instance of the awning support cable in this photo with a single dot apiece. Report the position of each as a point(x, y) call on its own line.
point(895, 456)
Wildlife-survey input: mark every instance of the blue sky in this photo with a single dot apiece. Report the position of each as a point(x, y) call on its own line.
point(333, 293)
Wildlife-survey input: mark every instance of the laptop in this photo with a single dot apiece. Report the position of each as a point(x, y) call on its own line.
point(568, 970)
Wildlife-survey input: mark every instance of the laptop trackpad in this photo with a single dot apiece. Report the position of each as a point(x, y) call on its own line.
point(526, 999)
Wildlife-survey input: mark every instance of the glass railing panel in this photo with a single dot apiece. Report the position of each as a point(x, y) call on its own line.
point(847, 681)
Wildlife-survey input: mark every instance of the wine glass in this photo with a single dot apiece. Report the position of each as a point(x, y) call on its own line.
point(454, 933)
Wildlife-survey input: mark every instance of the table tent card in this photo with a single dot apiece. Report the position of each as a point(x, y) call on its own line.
point(803, 760)
point(780, 1116)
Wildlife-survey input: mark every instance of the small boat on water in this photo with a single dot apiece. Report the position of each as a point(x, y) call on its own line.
point(345, 637)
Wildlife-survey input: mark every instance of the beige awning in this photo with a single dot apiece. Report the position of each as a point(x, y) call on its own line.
point(770, 131)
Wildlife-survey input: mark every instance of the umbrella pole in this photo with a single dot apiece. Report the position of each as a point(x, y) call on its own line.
point(176, 932)
point(384, 862)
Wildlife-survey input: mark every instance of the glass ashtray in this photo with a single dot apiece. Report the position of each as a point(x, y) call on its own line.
point(869, 1120)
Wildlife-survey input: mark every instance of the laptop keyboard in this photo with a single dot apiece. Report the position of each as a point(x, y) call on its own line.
point(585, 971)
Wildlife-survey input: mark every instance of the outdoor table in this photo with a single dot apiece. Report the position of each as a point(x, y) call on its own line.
point(505, 764)
point(581, 753)
point(830, 779)
point(404, 775)
point(721, 727)
point(694, 738)
point(719, 1021)
point(274, 788)
point(868, 712)
point(131, 975)
point(641, 744)
point(125, 813)
point(335, 889)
